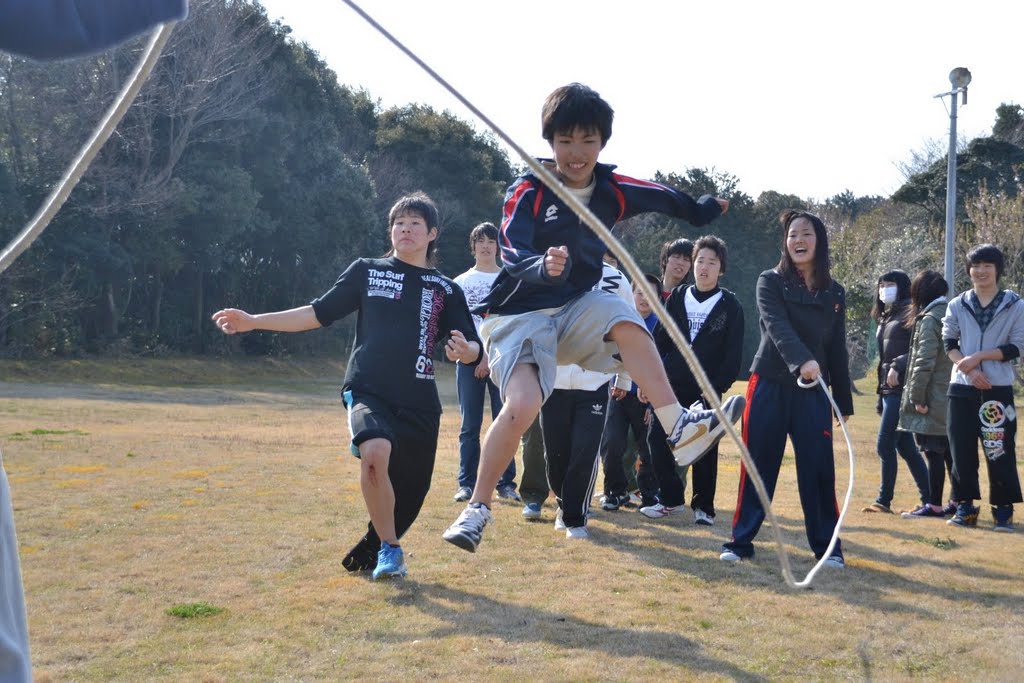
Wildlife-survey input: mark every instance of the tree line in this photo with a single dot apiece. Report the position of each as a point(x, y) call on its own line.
point(246, 175)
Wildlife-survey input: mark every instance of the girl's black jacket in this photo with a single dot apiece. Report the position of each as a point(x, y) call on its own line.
point(797, 326)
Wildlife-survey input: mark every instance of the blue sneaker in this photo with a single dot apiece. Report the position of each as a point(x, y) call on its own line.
point(531, 511)
point(966, 515)
point(1003, 517)
point(390, 561)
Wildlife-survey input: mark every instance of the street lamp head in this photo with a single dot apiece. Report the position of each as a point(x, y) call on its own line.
point(960, 77)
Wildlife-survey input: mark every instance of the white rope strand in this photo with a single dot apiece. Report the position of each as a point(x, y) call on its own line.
point(849, 489)
point(634, 270)
point(103, 131)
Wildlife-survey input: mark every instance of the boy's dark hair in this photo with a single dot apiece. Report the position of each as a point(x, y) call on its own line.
point(822, 268)
point(652, 279)
point(422, 205)
point(902, 282)
point(484, 231)
point(985, 253)
point(715, 244)
point(926, 287)
point(575, 106)
point(673, 247)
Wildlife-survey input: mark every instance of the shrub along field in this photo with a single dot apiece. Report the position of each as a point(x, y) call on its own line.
point(185, 520)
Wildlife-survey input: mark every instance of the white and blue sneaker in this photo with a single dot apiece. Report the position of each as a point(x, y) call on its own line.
point(531, 511)
point(467, 531)
point(390, 561)
point(696, 431)
point(835, 562)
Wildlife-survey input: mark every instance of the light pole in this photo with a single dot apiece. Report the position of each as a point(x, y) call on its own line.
point(959, 78)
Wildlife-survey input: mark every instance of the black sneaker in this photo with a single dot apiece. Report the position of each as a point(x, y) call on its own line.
point(613, 501)
point(363, 556)
point(966, 515)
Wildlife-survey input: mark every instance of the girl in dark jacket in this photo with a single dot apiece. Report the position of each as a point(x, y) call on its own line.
point(803, 336)
point(893, 338)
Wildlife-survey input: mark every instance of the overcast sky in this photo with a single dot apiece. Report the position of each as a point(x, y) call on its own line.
point(808, 98)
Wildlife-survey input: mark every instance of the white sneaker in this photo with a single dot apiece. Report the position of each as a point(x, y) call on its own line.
point(467, 531)
point(835, 562)
point(702, 518)
point(657, 511)
point(559, 524)
point(577, 532)
point(729, 556)
point(697, 431)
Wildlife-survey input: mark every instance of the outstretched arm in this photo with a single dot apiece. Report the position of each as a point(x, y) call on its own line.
point(50, 29)
point(233, 320)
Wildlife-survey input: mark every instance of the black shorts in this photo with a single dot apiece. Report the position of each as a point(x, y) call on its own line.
point(370, 417)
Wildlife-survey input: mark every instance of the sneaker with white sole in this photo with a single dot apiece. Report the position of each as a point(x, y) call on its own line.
point(463, 494)
point(702, 518)
point(613, 501)
point(531, 511)
point(729, 556)
point(577, 532)
point(467, 531)
point(390, 562)
point(657, 511)
point(559, 524)
point(923, 511)
point(696, 431)
point(835, 562)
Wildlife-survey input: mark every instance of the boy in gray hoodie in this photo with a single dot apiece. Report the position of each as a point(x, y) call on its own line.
point(983, 333)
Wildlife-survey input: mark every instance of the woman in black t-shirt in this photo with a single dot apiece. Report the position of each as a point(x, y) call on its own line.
point(404, 308)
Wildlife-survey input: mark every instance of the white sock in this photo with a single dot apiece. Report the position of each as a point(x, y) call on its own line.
point(668, 416)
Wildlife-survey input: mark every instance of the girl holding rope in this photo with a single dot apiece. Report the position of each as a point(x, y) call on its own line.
point(803, 336)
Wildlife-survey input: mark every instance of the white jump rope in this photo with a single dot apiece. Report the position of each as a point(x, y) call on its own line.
point(634, 270)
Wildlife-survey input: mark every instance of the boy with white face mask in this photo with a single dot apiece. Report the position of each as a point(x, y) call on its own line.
point(893, 339)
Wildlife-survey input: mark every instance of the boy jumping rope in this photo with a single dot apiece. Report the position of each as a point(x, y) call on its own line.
point(542, 310)
point(405, 308)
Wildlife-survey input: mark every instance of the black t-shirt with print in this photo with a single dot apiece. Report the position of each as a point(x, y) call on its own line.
point(404, 312)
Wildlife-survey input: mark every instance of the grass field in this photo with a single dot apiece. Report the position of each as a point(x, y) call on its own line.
point(185, 521)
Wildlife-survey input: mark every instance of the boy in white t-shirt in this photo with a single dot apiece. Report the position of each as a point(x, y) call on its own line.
point(474, 383)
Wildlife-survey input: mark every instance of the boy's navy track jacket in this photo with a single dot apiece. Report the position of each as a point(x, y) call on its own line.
point(718, 346)
point(798, 326)
point(534, 219)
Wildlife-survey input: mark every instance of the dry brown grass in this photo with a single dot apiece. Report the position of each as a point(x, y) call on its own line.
point(131, 499)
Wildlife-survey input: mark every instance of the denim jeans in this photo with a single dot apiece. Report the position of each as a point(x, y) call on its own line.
point(891, 441)
point(472, 392)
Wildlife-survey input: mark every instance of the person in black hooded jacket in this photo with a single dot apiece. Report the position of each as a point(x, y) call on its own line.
point(893, 337)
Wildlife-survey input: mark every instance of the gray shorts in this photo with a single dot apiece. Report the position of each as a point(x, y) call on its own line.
point(574, 333)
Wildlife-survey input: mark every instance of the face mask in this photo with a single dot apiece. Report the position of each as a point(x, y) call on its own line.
point(887, 295)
